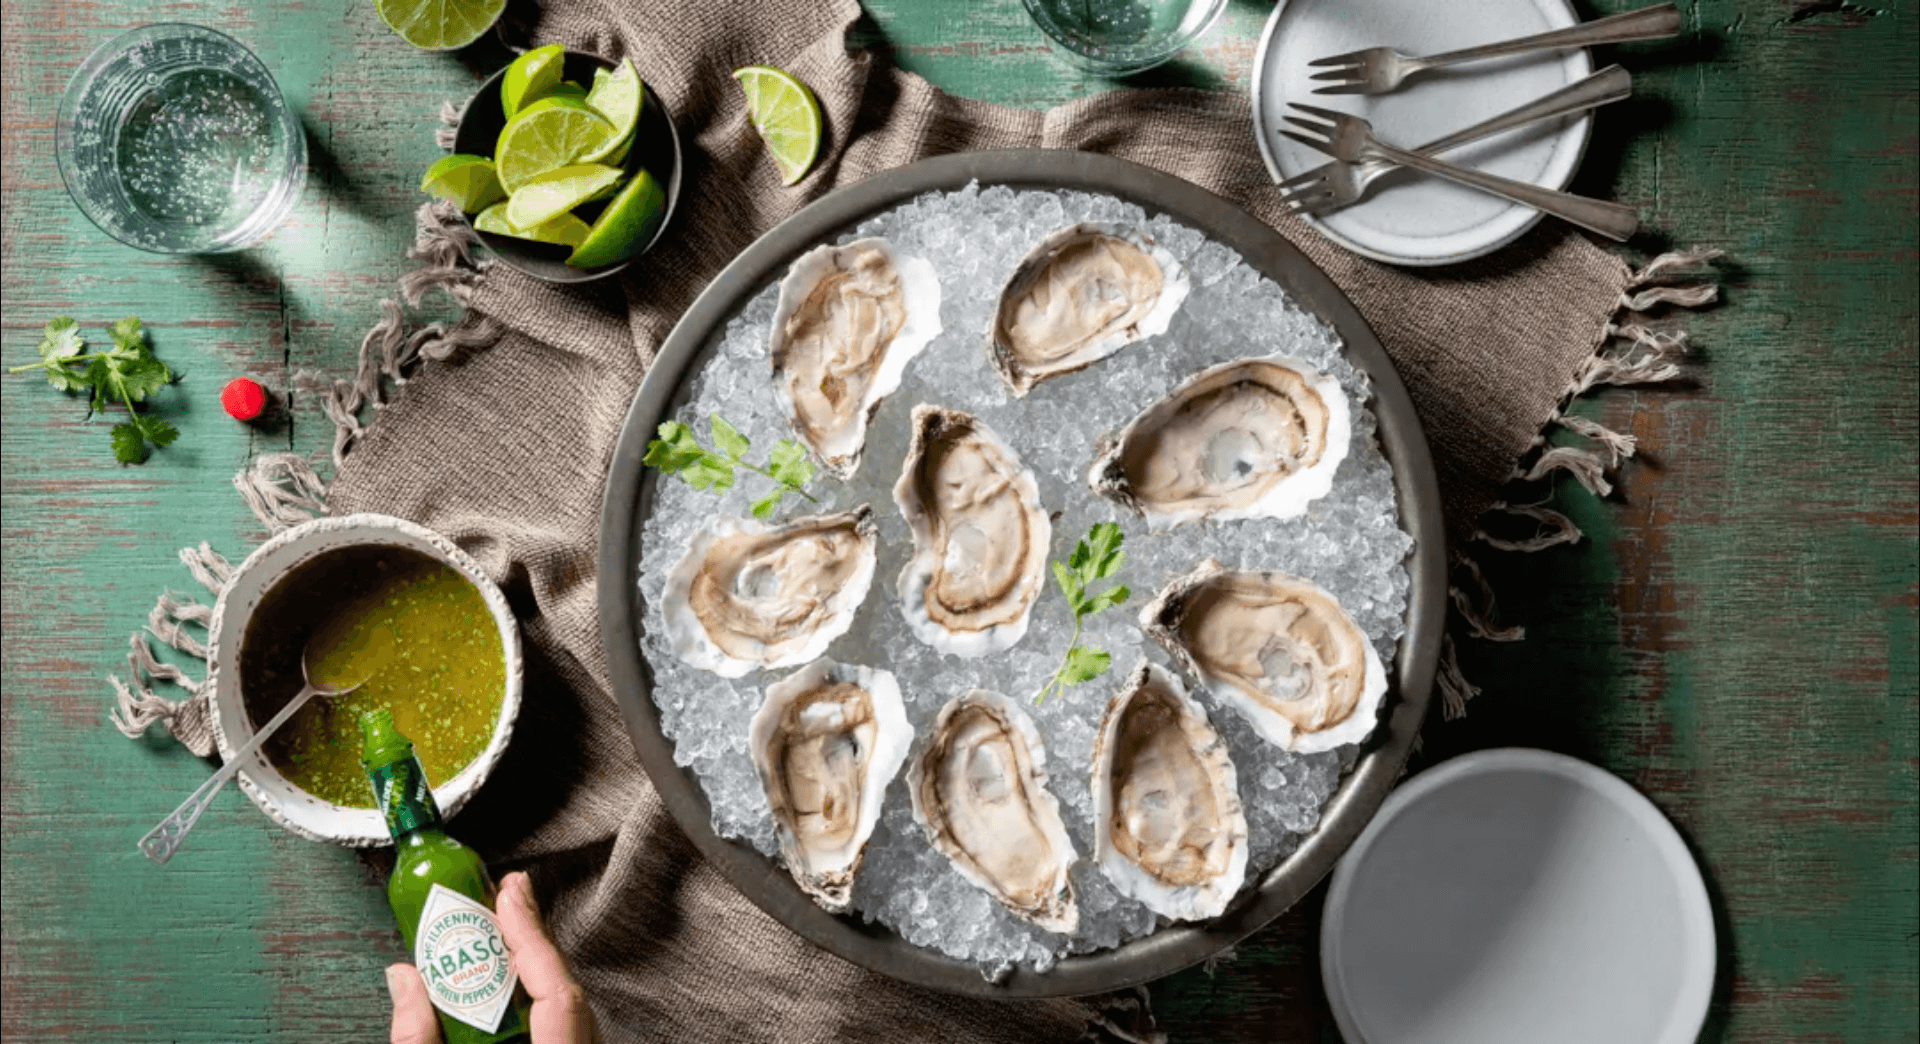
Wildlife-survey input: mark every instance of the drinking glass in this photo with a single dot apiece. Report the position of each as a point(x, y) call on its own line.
point(174, 138)
point(1118, 37)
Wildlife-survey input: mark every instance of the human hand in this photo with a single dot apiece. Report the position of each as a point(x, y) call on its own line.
point(559, 1014)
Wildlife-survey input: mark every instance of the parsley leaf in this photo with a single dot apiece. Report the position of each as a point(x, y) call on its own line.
point(678, 452)
point(125, 374)
point(1095, 557)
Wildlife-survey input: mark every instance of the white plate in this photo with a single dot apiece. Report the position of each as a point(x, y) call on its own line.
point(1418, 220)
point(1517, 896)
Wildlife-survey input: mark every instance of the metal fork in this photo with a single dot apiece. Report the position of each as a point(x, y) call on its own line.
point(1334, 185)
point(1378, 70)
point(1350, 139)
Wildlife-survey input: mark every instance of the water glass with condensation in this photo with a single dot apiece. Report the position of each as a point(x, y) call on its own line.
point(174, 138)
point(1118, 37)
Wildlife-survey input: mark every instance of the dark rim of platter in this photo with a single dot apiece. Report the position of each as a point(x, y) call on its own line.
point(629, 494)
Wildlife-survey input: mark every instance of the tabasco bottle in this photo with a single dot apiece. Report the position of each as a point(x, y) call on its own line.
point(443, 898)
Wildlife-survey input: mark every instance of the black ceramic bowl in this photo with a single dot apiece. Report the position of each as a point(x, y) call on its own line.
point(656, 147)
point(629, 496)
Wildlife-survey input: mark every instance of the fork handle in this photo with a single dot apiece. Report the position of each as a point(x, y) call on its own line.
point(1609, 85)
point(1650, 23)
point(1609, 219)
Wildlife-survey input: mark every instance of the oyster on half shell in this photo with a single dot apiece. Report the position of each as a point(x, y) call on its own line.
point(1168, 827)
point(979, 535)
point(826, 742)
point(1249, 438)
point(1276, 648)
point(746, 595)
point(848, 321)
point(980, 792)
point(1083, 293)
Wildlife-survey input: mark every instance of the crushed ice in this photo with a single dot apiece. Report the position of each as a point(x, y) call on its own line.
point(1349, 542)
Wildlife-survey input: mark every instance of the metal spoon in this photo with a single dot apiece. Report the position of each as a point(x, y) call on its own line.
point(163, 840)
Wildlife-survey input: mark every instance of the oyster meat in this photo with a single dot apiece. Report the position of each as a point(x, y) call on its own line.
point(848, 321)
point(1276, 648)
point(1168, 828)
point(980, 792)
point(826, 743)
point(1249, 438)
point(745, 595)
point(1083, 293)
point(979, 535)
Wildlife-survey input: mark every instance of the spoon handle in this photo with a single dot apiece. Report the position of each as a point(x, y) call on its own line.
point(162, 841)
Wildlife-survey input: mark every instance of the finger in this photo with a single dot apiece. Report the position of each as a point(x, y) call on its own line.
point(560, 1012)
point(413, 1018)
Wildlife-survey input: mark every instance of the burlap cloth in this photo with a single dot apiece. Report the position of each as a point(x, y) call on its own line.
point(502, 436)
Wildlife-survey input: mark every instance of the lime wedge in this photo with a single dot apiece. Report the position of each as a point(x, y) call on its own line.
point(547, 135)
point(555, 192)
point(565, 229)
point(618, 96)
point(532, 75)
point(439, 25)
point(627, 225)
point(786, 115)
point(468, 182)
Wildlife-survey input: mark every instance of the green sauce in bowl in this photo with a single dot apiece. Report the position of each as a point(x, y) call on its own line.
point(419, 633)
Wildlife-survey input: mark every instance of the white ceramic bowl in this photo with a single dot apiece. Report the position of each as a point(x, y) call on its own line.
point(283, 802)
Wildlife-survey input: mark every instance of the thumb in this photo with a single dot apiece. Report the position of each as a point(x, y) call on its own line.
point(413, 1018)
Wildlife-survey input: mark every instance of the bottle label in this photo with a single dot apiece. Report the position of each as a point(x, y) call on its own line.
point(400, 788)
point(461, 955)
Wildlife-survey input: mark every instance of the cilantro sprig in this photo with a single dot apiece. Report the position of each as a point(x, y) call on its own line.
point(1096, 557)
point(126, 374)
point(678, 452)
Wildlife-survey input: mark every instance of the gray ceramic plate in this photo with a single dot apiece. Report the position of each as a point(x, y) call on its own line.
point(629, 496)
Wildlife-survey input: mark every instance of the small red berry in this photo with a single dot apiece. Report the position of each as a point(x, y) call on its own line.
point(243, 399)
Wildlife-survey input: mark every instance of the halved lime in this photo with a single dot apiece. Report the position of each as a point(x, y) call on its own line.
point(787, 116)
point(627, 225)
point(555, 192)
point(618, 96)
point(531, 75)
point(565, 229)
point(468, 182)
point(547, 135)
point(439, 25)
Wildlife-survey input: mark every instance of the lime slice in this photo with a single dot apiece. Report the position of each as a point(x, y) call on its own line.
point(627, 225)
point(531, 75)
point(547, 135)
point(468, 182)
point(439, 25)
point(786, 115)
point(565, 229)
point(618, 96)
point(549, 195)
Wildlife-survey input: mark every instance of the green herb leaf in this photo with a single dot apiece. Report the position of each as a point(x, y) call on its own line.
point(127, 334)
point(128, 445)
point(764, 507)
point(678, 452)
point(1070, 586)
point(137, 378)
point(1083, 665)
point(157, 431)
point(61, 339)
point(728, 438)
point(1103, 551)
point(1106, 599)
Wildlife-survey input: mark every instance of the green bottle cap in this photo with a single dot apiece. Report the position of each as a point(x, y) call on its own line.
point(380, 739)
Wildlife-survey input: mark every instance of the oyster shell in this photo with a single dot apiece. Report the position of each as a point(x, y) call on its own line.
point(980, 792)
point(979, 535)
point(826, 742)
point(1249, 438)
point(1168, 828)
point(1276, 648)
point(848, 321)
point(745, 595)
point(1083, 293)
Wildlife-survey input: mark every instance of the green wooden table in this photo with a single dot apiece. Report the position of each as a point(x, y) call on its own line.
point(1737, 639)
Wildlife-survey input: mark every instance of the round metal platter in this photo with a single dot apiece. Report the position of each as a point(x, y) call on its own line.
point(629, 496)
